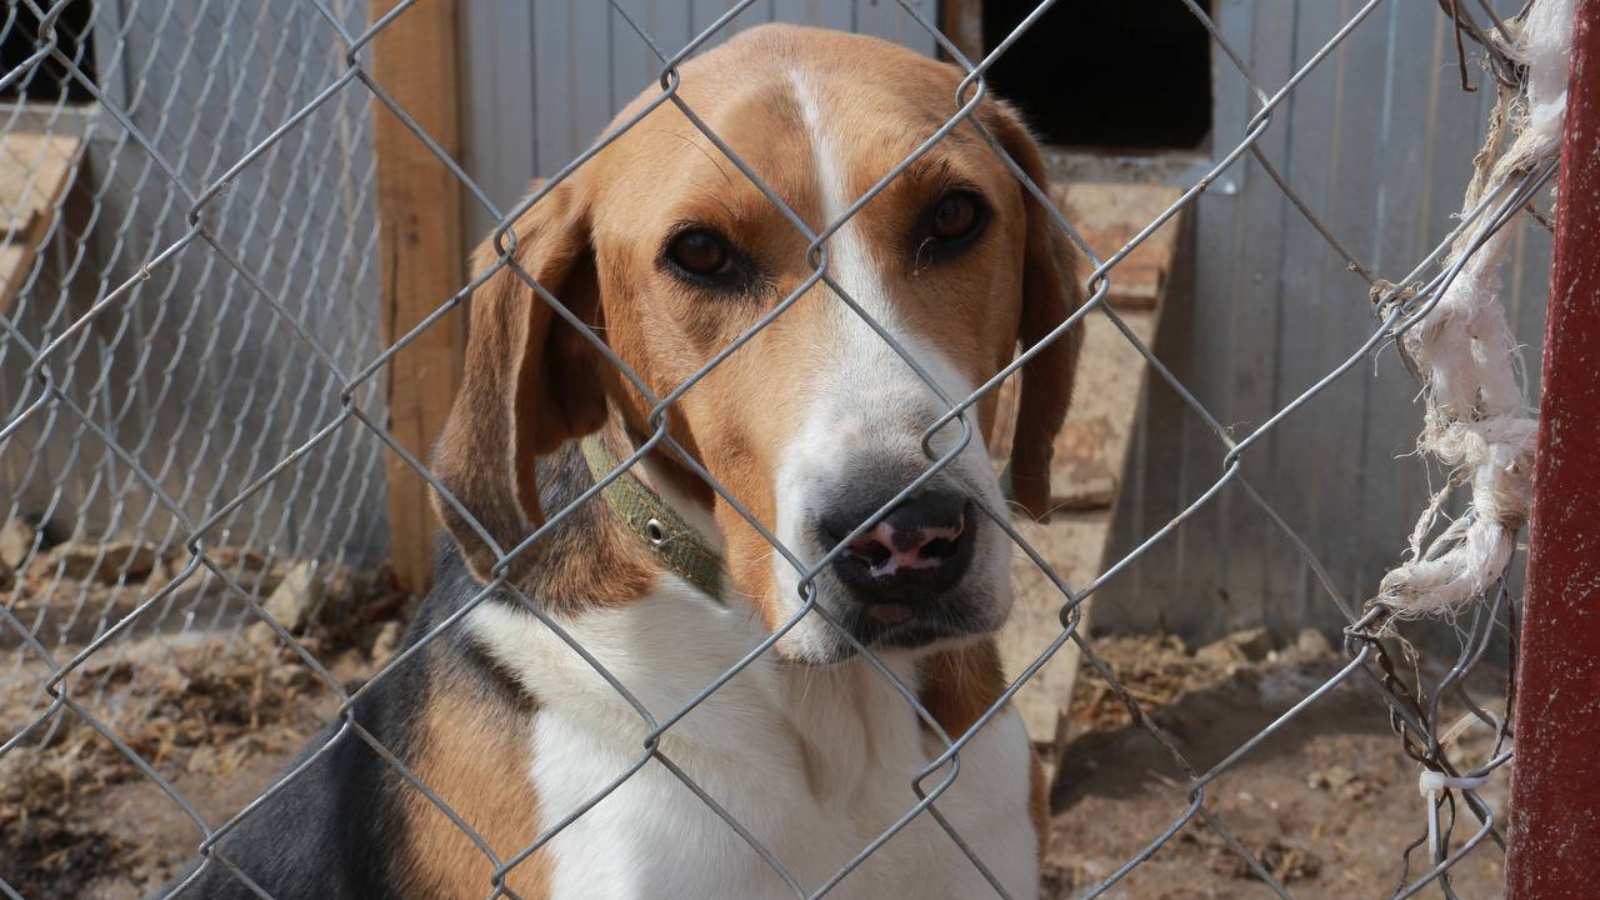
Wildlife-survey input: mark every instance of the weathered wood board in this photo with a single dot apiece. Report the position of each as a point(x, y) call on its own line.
point(423, 263)
point(1091, 453)
point(35, 170)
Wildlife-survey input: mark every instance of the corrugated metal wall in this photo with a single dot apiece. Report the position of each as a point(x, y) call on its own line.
point(192, 372)
point(1378, 141)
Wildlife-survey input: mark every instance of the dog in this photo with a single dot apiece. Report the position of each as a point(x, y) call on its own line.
point(670, 255)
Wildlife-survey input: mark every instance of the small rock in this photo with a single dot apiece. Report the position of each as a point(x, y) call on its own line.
point(261, 636)
point(165, 569)
point(300, 591)
point(1312, 643)
point(1095, 868)
point(237, 559)
point(340, 588)
point(1254, 643)
point(1250, 645)
point(202, 590)
point(1332, 778)
point(1219, 654)
point(17, 540)
point(252, 569)
point(387, 641)
point(105, 563)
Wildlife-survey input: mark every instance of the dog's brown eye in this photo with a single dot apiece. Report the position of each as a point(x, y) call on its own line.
point(699, 253)
point(955, 217)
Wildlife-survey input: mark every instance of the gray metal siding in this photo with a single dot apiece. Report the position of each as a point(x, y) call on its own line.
point(197, 376)
point(1378, 142)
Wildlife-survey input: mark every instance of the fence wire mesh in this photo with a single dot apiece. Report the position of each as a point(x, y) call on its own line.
point(192, 386)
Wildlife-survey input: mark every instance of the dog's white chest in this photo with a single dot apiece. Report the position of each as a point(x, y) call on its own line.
point(814, 764)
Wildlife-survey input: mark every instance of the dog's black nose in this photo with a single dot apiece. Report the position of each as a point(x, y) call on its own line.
point(918, 551)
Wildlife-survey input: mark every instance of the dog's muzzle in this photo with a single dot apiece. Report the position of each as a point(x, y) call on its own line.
point(903, 580)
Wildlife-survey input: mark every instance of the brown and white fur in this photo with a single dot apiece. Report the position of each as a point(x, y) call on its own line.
point(810, 749)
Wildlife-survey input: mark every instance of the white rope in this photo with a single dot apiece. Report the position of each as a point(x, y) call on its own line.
point(1478, 421)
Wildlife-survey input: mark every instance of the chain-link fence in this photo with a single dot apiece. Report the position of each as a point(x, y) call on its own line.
point(194, 427)
point(159, 412)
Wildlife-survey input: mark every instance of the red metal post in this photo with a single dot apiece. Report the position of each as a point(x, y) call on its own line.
point(1554, 838)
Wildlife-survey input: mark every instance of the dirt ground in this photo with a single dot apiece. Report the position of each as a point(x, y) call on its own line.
point(217, 717)
point(1328, 804)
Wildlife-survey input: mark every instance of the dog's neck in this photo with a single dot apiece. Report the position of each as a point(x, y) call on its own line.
point(667, 642)
point(679, 488)
point(842, 723)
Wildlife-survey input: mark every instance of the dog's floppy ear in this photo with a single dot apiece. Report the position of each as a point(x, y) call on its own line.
point(1051, 291)
point(529, 383)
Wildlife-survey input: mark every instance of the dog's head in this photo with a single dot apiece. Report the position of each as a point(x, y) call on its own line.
point(671, 254)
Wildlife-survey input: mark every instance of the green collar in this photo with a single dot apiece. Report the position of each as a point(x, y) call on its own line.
point(668, 535)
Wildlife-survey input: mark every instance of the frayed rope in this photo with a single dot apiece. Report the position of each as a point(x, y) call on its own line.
point(1477, 418)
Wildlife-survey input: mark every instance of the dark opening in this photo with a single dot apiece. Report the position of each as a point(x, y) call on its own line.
point(49, 80)
point(1132, 74)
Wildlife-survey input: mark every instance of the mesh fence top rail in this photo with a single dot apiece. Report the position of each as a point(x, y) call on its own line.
point(136, 405)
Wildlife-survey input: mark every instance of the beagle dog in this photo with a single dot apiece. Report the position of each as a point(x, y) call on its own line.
point(813, 425)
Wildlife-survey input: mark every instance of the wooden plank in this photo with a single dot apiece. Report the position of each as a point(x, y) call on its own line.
point(1091, 450)
point(423, 258)
point(35, 170)
point(1091, 453)
point(962, 22)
